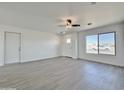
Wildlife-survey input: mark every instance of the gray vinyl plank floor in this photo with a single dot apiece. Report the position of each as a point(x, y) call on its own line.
point(61, 74)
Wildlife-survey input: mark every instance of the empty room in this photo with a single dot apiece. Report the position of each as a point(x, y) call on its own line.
point(62, 45)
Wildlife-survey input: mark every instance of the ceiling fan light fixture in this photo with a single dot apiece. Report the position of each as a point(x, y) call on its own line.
point(68, 26)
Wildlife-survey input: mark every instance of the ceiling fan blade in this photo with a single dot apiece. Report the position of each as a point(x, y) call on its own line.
point(75, 25)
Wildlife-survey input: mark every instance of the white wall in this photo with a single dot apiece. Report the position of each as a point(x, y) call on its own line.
point(35, 45)
point(115, 60)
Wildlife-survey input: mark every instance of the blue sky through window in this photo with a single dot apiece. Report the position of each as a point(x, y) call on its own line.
point(106, 43)
point(92, 39)
point(109, 37)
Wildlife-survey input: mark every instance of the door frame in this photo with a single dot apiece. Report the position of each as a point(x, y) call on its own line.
point(5, 45)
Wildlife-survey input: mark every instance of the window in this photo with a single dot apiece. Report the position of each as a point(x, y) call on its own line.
point(107, 43)
point(103, 43)
point(92, 44)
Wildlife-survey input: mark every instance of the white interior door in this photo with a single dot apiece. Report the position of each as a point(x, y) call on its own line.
point(12, 47)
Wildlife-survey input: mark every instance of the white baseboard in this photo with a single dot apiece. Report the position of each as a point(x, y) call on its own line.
point(30, 60)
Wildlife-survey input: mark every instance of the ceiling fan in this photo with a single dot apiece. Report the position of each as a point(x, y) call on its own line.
point(68, 24)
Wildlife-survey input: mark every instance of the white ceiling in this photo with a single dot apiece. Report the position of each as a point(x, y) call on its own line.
point(46, 16)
